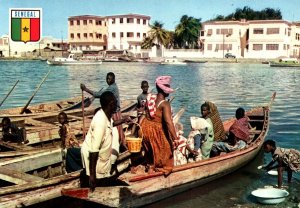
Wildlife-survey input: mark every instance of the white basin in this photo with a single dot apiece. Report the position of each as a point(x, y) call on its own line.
point(270, 195)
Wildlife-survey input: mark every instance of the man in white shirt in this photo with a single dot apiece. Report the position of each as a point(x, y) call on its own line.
point(96, 149)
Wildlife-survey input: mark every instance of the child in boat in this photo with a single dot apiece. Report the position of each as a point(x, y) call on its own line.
point(202, 134)
point(12, 133)
point(142, 98)
point(65, 133)
point(288, 159)
point(182, 147)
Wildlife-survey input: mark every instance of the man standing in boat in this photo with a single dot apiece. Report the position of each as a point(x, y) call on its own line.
point(112, 87)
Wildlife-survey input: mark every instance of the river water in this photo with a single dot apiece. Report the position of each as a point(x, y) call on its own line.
point(229, 85)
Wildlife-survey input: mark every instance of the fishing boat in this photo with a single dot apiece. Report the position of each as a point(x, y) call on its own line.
point(172, 61)
point(46, 108)
point(146, 188)
point(286, 62)
point(71, 60)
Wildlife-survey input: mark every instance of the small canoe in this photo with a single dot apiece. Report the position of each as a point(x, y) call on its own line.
point(142, 189)
point(50, 107)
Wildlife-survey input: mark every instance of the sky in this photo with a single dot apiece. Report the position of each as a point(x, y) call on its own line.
point(169, 12)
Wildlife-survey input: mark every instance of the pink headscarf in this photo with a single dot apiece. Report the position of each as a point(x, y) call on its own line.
point(162, 81)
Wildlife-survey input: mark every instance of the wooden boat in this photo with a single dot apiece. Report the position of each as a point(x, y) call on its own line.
point(42, 130)
point(142, 189)
point(71, 60)
point(46, 108)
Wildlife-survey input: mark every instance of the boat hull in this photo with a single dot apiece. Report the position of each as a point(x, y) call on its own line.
point(59, 63)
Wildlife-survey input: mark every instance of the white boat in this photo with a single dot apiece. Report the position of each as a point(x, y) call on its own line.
point(172, 61)
point(71, 60)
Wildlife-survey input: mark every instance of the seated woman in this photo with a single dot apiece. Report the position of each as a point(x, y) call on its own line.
point(13, 133)
point(238, 135)
point(204, 129)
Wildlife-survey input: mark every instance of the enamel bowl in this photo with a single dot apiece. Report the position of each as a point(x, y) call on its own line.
point(270, 195)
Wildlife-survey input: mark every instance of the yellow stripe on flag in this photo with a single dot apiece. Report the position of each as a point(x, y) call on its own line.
point(25, 30)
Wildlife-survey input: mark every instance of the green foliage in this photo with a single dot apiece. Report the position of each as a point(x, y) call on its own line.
point(250, 14)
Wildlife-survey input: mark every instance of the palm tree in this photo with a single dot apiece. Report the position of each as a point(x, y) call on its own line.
point(158, 35)
point(187, 32)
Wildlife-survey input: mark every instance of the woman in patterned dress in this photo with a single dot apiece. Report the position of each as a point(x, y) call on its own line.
point(288, 159)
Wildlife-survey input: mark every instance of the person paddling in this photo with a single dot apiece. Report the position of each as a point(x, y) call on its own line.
point(112, 87)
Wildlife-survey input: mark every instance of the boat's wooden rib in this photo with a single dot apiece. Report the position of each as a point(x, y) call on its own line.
point(147, 188)
point(17, 177)
point(51, 107)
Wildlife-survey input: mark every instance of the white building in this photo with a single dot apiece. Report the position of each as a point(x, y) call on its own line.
point(251, 39)
point(121, 32)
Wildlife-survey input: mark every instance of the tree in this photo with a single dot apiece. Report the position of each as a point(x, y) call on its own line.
point(250, 14)
point(187, 32)
point(157, 35)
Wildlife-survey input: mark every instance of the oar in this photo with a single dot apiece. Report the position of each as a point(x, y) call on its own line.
point(272, 100)
point(9, 93)
point(82, 107)
point(25, 107)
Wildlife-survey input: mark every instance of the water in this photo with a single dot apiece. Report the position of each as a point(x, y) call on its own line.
point(229, 85)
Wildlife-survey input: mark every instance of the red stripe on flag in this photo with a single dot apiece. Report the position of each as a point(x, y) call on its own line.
point(34, 29)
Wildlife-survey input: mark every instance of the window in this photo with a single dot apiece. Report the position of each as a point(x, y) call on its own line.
point(209, 47)
point(272, 31)
point(87, 47)
point(100, 36)
point(272, 47)
point(284, 46)
point(90, 21)
point(113, 21)
point(144, 35)
point(209, 32)
point(138, 35)
point(78, 22)
point(258, 31)
point(121, 34)
point(144, 21)
point(71, 22)
point(257, 47)
point(72, 35)
point(138, 21)
point(130, 35)
point(113, 34)
point(85, 35)
point(78, 35)
point(84, 22)
point(121, 20)
point(129, 20)
point(218, 31)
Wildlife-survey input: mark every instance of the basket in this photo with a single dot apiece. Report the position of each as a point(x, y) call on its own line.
point(134, 144)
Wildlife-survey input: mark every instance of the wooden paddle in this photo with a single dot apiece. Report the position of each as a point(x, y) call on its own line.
point(82, 107)
point(9, 92)
point(25, 107)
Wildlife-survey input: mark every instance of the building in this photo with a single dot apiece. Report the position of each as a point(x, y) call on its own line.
point(95, 33)
point(87, 33)
point(251, 39)
point(4, 46)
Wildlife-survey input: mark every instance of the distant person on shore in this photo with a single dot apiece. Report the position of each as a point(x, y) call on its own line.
point(13, 133)
point(112, 87)
point(287, 159)
point(159, 133)
point(65, 132)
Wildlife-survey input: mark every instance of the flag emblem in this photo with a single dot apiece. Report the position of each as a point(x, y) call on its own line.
point(25, 25)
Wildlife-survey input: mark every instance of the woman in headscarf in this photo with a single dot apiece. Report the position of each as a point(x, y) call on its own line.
point(158, 129)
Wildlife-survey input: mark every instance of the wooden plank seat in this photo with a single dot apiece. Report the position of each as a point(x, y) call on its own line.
point(255, 131)
point(17, 177)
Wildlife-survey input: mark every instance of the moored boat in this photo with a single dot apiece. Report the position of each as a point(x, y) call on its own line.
point(286, 62)
point(71, 60)
point(172, 61)
point(146, 188)
point(46, 108)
